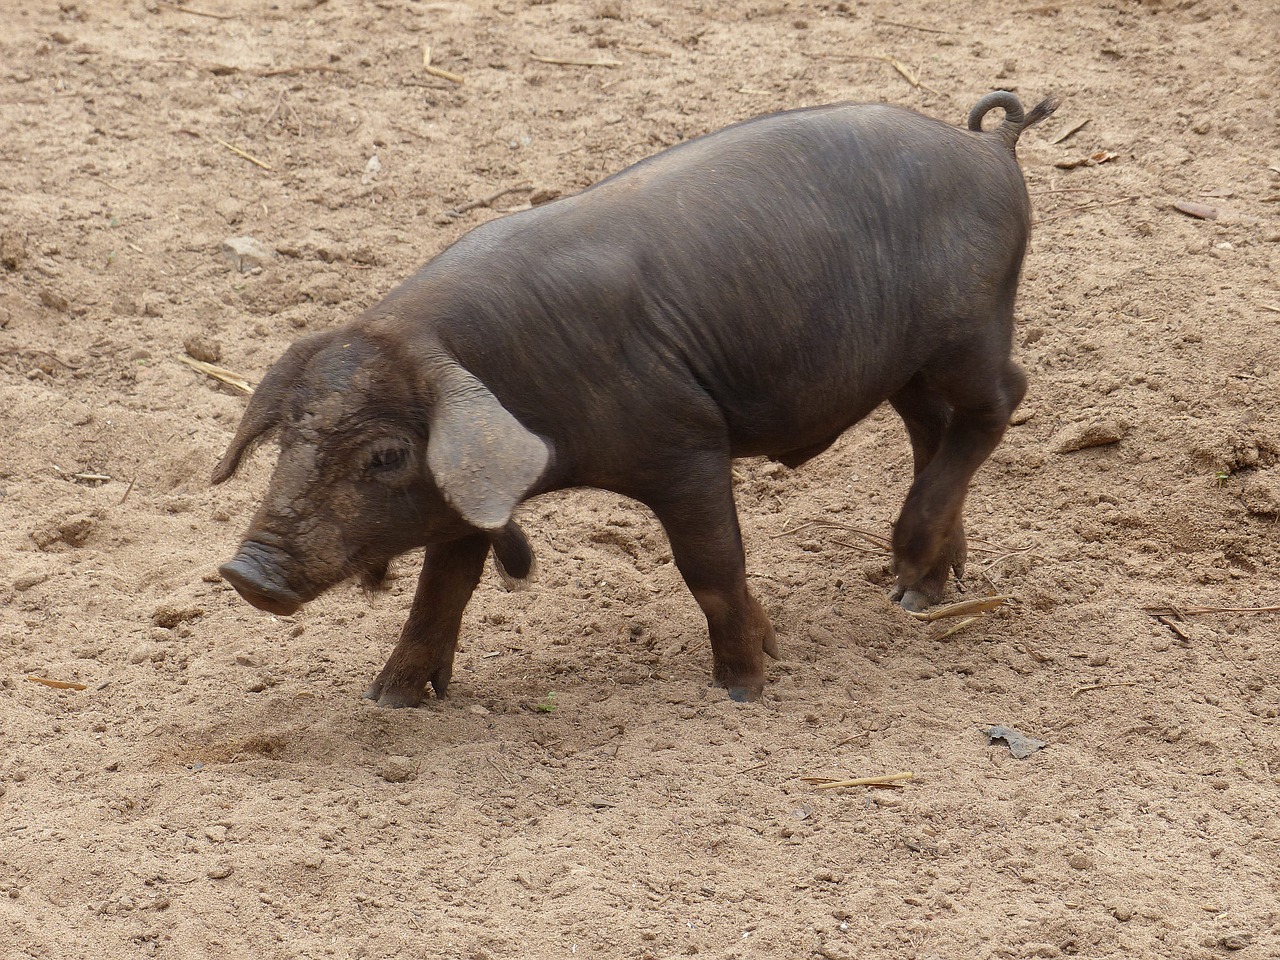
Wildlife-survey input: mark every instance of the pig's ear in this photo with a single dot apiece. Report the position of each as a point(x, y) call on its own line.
point(483, 460)
point(266, 406)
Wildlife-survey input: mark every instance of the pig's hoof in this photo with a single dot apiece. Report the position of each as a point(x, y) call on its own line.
point(399, 697)
point(745, 692)
point(393, 698)
point(913, 601)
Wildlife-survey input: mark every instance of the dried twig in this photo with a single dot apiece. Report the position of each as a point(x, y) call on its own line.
point(57, 684)
point(883, 780)
point(179, 8)
point(573, 62)
point(957, 628)
point(1196, 611)
point(248, 156)
point(875, 538)
point(1012, 553)
point(907, 73)
point(226, 69)
point(649, 51)
point(20, 352)
point(292, 71)
point(1091, 205)
point(962, 608)
point(871, 551)
point(438, 71)
point(222, 374)
point(486, 201)
point(1071, 130)
point(910, 26)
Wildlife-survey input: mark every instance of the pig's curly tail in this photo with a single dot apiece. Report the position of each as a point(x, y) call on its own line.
point(1015, 120)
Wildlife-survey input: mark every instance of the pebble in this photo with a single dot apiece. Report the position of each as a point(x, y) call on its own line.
point(25, 581)
point(245, 253)
point(1081, 436)
point(1080, 861)
point(220, 871)
point(169, 616)
point(147, 651)
point(202, 348)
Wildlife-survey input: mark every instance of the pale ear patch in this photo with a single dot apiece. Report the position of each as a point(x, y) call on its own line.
point(482, 458)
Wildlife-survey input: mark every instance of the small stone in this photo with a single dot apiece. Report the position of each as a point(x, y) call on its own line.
point(230, 210)
point(245, 253)
point(169, 616)
point(146, 652)
point(1261, 493)
point(217, 833)
point(1236, 940)
point(32, 578)
point(1080, 861)
point(246, 660)
point(202, 348)
point(398, 769)
point(13, 250)
point(54, 301)
point(220, 872)
point(1081, 436)
point(478, 709)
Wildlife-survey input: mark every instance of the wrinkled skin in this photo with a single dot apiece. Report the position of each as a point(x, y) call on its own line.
point(751, 293)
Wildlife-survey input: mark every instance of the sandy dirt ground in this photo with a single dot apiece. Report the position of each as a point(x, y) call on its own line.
point(219, 788)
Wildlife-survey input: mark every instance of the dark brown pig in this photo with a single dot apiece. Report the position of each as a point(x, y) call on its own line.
point(753, 292)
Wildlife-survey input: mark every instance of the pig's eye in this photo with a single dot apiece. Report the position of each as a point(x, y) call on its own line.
point(386, 460)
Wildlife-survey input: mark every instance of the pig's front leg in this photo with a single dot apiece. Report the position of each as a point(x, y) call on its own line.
point(701, 522)
point(450, 572)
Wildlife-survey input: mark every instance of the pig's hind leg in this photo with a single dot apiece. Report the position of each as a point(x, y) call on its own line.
point(701, 521)
point(955, 420)
point(926, 415)
point(450, 572)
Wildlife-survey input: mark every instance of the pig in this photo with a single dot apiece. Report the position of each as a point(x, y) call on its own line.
point(750, 293)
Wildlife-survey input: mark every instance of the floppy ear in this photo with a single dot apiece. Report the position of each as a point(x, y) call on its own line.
point(483, 460)
point(266, 406)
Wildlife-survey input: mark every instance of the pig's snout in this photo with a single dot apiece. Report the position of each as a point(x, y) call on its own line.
point(257, 578)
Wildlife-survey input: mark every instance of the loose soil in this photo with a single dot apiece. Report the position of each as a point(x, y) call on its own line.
point(219, 788)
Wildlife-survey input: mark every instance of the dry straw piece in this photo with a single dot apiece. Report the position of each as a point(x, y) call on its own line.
point(248, 156)
point(57, 684)
point(881, 780)
point(962, 608)
point(222, 374)
point(573, 62)
point(439, 71)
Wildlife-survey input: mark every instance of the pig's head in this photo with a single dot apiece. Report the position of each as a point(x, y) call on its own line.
point(383, 449)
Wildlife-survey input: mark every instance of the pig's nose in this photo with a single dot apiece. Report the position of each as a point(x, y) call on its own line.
point(257, 585)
